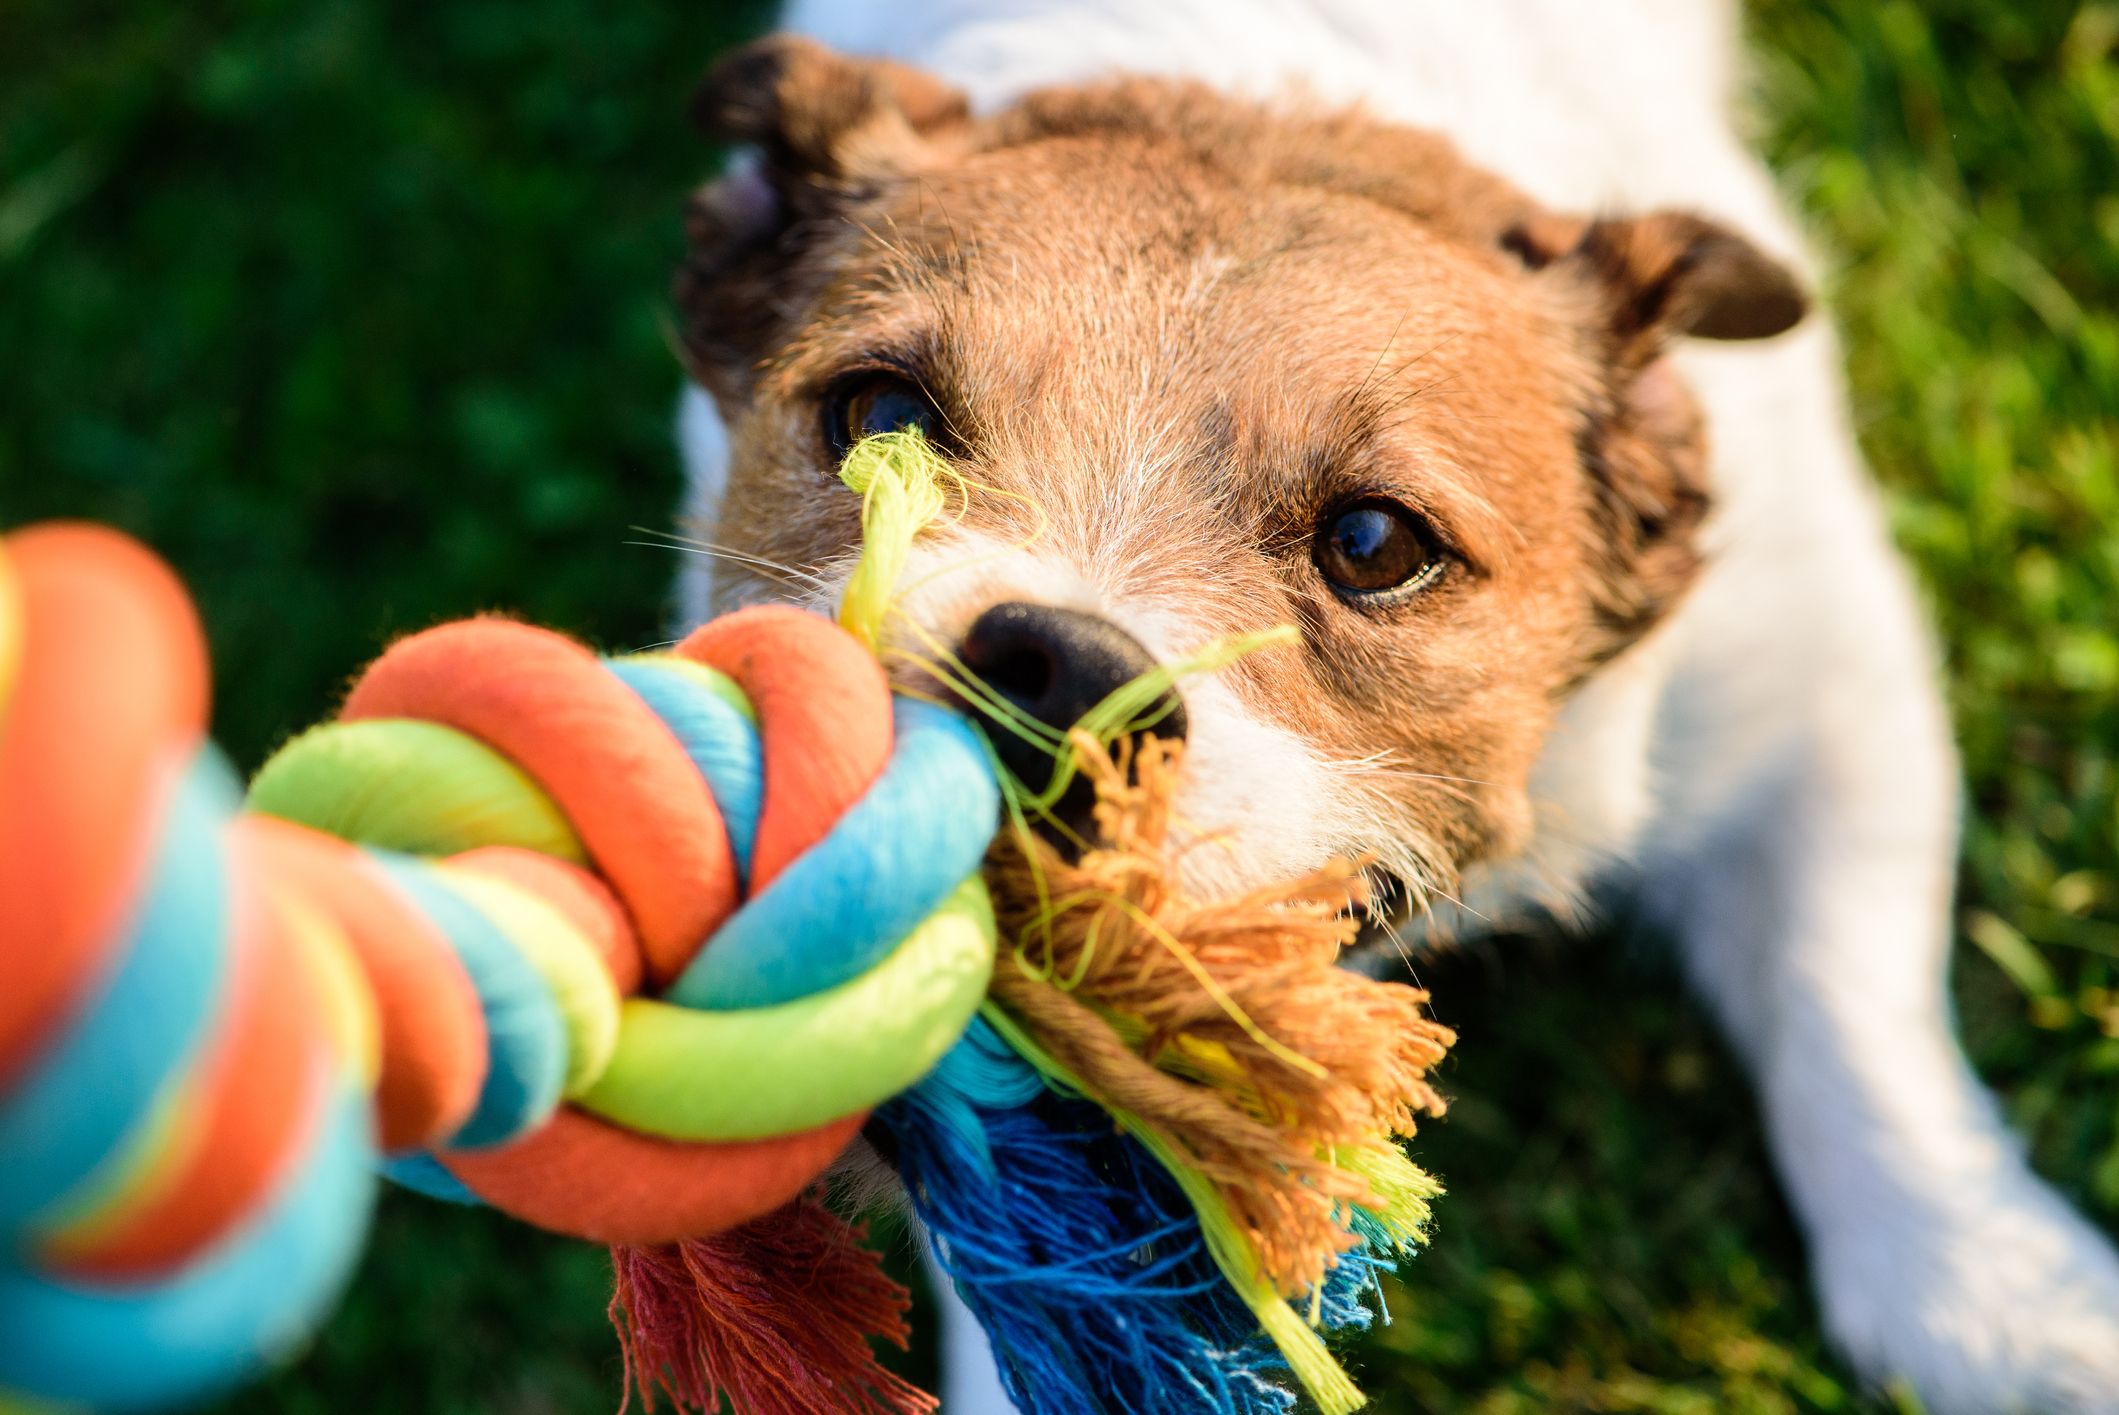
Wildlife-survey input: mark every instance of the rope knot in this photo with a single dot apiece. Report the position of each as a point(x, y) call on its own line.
point(704, 908)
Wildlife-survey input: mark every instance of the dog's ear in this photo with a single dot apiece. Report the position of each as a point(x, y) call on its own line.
point(820, 118)
point(1631, 287)
point(1650, 279)
point(1640, 282)
point(818, 134)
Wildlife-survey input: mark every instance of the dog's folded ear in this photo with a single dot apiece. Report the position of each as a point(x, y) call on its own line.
point(1649, 279)
point(820, 115)
point(818, 133)
point(1688, 275)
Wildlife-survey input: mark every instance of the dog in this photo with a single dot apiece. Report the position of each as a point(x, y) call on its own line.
point(1469, 340)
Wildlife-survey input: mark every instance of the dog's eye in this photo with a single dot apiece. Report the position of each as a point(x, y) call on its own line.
point(869, 403)
point(1371, 546)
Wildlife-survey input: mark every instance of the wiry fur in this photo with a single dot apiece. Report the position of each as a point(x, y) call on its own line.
point(1173, 324)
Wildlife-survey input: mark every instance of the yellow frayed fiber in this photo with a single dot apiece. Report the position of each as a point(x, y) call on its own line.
point(900, 480)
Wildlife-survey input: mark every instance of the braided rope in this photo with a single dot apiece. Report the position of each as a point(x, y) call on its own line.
point(627, 948)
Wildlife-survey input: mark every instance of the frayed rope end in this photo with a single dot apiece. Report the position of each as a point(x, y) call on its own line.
point(776, 1316)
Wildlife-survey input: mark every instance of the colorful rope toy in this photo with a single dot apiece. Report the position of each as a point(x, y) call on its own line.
point(632, 949)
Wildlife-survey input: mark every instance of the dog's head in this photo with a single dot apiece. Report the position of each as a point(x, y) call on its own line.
point(1212, 368)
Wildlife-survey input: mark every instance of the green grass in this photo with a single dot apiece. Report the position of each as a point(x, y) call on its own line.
point(355, 310)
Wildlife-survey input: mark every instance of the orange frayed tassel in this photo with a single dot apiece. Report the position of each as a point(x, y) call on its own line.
point(775, 1316)
point(1226, 1027)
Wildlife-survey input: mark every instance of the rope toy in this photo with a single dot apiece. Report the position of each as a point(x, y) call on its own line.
point(632, 949)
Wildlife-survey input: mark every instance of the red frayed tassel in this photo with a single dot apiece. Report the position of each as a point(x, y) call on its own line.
point(776, 1315)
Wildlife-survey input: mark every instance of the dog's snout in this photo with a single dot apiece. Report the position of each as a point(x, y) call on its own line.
point(1054, 665)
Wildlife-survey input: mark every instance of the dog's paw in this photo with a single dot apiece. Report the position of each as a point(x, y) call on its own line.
point(2010, 1304)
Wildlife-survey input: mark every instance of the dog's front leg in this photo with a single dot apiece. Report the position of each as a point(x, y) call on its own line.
point(1816, 920)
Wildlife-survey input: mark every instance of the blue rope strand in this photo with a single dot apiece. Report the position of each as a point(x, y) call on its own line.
point(1073, 1247)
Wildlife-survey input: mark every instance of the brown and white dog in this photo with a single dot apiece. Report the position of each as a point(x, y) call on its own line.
point(1582, 600)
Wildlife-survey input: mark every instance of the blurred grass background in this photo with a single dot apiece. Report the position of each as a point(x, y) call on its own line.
point(354, 308)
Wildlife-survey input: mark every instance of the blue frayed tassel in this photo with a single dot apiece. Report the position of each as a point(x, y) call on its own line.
point(1078, 1253)
point(1353, 1288)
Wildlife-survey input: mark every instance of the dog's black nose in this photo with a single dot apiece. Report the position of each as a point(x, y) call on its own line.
point(1054, 665)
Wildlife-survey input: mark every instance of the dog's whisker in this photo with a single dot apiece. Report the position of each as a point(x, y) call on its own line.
point(671, 540)
point(765, 571)
point(1383, 353)
point(789, 576)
